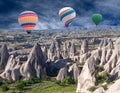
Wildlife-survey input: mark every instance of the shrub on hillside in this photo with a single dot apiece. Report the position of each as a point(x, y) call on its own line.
point(105, 87)
point(102, 78)
point(100, 68)
point(5, 88)
point(32, 80)
point(45, 77)
point(1, 83)
point(67, 81)
point(93, 88)
point(20, 85)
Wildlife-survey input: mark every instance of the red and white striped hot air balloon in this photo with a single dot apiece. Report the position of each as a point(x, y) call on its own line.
point(67, 15)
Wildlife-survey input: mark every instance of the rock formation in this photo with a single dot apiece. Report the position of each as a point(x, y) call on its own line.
point(72, 50)
point(114, 88)
point(84, 57)
point(99, 90)
point(54, 52)
point(63, 73)
point(107, 56)
point(87, 77)
point(35, 65)
point(74, 72)
point(4, 57)
point(60, 57)
point(12, 70)
point(84, 47)
point(45, 52)
point(56, 66)
point(103, 43)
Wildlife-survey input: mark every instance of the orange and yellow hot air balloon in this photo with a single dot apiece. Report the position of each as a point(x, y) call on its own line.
point(28, 20)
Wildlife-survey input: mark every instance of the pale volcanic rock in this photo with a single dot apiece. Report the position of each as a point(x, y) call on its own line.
point(109, 54)
point(65, 50)
point(12, 70)
point(99, 90)
point(84, 47)
point(103, 43)
point(74, 71)
point(54, 52)
point(72, 50)
point(84, 57)
point(114, 88)
point(110, 44)
point(4, 57)
point(45, 52)
point(112, 61)
point(35, 65)
point(87, 77)
point(63, 73)
point(103, 57)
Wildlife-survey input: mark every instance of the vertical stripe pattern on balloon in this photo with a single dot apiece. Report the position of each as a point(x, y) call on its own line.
point(28, 20)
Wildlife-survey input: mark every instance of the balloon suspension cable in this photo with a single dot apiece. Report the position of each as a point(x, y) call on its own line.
point(28, 32)
point(67, 29)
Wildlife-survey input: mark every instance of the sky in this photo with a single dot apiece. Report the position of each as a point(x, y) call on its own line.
point(47, 11)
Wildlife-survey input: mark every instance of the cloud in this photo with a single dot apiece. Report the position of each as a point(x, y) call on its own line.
point(46, 25)
point(47, 11)
point(110, 10)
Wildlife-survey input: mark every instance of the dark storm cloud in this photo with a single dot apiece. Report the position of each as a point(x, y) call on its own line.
point(48, 12)
point(8, 6)
point(110, 10)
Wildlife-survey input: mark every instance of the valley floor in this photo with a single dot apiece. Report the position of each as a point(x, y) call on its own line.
point(44, 87)
point(51, 87)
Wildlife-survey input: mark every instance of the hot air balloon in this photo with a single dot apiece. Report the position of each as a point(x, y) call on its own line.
point(97, 18)
point(28, 20)
point(67, 15)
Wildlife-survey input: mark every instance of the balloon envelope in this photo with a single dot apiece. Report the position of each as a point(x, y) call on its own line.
point(97, 18)
point(28, 20)
point(67, 15)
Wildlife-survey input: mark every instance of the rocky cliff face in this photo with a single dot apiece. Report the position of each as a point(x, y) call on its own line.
point(54, 52)
point(4, 57)
point(72, 50)
point(114, 88)
point(66, 49)
point(84, 47)
point(45, 53)
point(63, 73)
point(107, 56)
point(61, 59)
point(71, 71)
point(35, 65)
point(74, 72)
point(12, 70)
point(87, 77)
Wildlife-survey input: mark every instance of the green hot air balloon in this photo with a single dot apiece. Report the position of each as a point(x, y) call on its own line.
point(97, 18)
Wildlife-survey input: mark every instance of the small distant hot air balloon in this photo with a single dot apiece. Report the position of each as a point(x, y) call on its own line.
point(97, 18)
point(28, 20)
point(67, 15)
